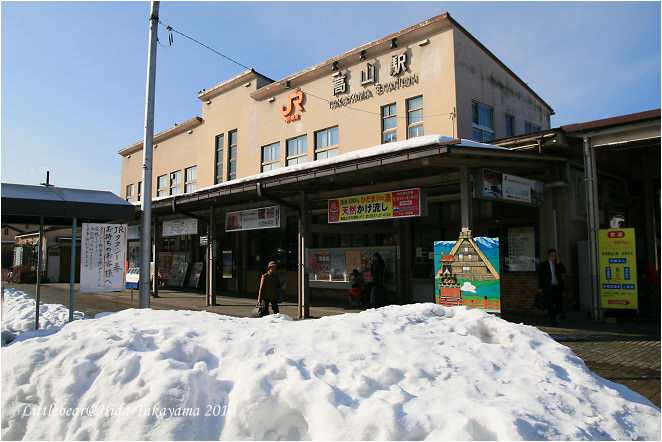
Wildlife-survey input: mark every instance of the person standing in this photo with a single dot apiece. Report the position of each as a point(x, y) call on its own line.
point(269, 285)
point(550, 283)
point(375, 289)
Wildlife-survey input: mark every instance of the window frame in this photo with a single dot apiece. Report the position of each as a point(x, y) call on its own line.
point(273, 162)
point(301, 156)
point(477, 125)
point(392, 115)
point(129, 193)
point(219, 150)
point(528, 126)
point(510, 124)
point(328, 150)
point(162, 190)
point(233, 150)
point(190, 182)
point(176, 185)
point(416, 124)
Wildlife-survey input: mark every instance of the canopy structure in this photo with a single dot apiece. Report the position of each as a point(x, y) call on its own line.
point(26, 204)
point(59, 206)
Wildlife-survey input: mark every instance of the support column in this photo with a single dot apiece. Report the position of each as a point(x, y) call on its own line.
point(155, 252)
point(466, 214)
point(303, 285)
point(592, 225)
point(72, 270)
point(40, 246)
point(212, 261)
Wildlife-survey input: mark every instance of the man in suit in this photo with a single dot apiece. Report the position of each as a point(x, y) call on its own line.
point(550, 283)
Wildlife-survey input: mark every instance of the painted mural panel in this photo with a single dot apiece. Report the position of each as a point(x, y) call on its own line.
point(467, 272)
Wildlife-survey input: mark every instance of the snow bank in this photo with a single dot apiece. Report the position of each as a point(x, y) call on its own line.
point(18, 314)
point(418, 371)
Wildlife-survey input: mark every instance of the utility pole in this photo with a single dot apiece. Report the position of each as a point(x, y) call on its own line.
point(148, 147)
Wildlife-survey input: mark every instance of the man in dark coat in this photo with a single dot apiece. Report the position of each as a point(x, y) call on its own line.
point(269, 285)
point(550, 283)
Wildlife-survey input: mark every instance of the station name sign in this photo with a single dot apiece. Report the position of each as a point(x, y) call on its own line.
point(372, 206)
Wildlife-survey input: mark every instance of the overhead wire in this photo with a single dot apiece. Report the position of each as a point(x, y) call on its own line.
point(170, 40)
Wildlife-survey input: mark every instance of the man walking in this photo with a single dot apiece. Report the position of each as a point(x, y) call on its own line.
point(550, 283)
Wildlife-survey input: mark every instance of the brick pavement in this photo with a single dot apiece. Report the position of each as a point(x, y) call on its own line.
point(626, 353)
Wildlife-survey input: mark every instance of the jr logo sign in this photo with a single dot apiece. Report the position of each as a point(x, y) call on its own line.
point(294, 104)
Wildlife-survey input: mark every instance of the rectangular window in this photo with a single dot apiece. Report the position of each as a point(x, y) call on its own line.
point(140, 189)
point(482, 122)
point(129, 193)
point(232, 155)
point(510, 125)
point(297, 150)
point(326, 143)
point(219, 159)
point(175, 182)
point(271, 156)
point(389, 123)
point(415, 117)
point(530, 128)
point(190, 179)
point(162, 185)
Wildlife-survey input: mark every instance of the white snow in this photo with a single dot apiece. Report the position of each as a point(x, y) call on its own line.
point(18, 310)
point(418, 371)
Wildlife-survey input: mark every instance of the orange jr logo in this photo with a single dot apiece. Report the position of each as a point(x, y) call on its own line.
point(294, 103)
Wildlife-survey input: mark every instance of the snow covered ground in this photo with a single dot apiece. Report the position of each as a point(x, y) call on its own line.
point(418, 371)
point(18, 315)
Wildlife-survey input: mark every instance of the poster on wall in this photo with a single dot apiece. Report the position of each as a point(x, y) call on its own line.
point(467, 272)
point(103, 257)
point(618, 268)
point(196, 271)
point(397, 204)
point(521, 249)
point(226, 262)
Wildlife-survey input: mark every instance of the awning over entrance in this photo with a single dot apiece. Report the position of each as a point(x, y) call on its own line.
point(26, 204)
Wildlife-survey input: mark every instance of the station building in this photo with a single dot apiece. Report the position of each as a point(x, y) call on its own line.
point(262, 172)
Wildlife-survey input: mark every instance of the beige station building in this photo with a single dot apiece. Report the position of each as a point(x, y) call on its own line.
point(428, 111)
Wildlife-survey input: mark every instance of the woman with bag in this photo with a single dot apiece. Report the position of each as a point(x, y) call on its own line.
point(269, 285)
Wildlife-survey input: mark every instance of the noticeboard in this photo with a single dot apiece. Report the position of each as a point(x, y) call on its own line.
point(618, 268)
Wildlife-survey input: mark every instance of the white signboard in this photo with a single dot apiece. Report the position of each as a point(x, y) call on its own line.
point(177, 227)
point(497, 185)
point(103, 257)
point(262, 218)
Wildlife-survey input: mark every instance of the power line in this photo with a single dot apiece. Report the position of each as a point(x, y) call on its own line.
point(171, 29)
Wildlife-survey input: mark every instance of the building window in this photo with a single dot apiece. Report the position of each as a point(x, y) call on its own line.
point(232, 157)
point(482, 122)
point(219, 159)
point(129, 193)
point(510, 125)
point(140, 189)
point(389, 123)
point(190, 178)
point(162, 185)
point(270, 156)
point(326, 143)
point(297, 150)
point(530, 128)
point(415, 117)
point(175, 182)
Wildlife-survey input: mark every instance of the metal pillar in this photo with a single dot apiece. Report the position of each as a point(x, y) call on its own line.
point(466, 215)
point(72, 270)
point(303, 284)
point(38, 296)
point(211, 295)
point(155, 256)
point(148, 147)
point(592, 225)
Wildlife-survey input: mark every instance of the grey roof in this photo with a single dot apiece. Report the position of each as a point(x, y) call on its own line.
point(25, 204)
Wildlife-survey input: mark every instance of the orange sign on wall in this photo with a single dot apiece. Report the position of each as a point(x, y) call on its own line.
point(294, 104)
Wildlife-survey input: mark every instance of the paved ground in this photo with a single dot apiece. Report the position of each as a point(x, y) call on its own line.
point(627, 353)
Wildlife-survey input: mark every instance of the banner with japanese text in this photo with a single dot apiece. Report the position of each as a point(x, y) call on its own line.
point(397, 204)
point(103, 257)
point(618, 268)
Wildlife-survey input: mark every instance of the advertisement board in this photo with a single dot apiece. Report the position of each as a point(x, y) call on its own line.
point(261, 218)
point(618, 268)
point(372, 206)
point(103, 257)
point(492, 184)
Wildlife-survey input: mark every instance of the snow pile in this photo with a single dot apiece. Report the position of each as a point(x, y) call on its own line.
point(418, 371)
point(18, 315)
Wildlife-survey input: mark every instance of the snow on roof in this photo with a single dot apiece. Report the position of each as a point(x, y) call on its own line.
point(375, 151)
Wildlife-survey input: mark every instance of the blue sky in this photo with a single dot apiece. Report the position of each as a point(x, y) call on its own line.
point(73, 74)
